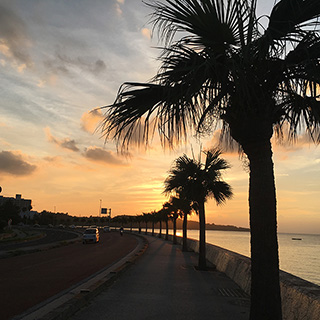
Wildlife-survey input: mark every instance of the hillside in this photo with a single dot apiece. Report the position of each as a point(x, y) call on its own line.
point(194, 225)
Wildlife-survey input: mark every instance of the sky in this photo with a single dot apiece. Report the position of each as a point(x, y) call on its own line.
point(59, 60)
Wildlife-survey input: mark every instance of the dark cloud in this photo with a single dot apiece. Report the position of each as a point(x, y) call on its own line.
point(51, 159)
point(69, 144)
point(14, 36)
point(64, 64)
point(14, 164)
point(102, 155)
point(64, 143)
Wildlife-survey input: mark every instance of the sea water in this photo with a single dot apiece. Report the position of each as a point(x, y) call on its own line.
point(299, 254)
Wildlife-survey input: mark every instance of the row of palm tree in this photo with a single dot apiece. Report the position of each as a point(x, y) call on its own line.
point(190, 183)
point(193, 183)
point(245, 74)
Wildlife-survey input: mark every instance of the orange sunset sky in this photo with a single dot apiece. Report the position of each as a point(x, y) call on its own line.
point(61, 59)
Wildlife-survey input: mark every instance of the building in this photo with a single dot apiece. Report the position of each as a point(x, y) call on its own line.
point(23, 204)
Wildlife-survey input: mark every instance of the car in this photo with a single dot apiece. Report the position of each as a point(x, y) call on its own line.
point(106, 229)
point(91, 235)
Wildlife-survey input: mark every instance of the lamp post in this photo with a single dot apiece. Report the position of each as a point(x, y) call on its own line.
point(100, 208)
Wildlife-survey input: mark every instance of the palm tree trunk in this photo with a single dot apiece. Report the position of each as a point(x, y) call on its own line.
point(174, 230)
point(184, 228)
point(265, 287)
point(202, 237)
point(167, 229)
point(160, 228)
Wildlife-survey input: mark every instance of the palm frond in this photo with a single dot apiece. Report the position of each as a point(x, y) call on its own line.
point(198, 181)
point(141, 107)
point(212, 23)
point(288, 16)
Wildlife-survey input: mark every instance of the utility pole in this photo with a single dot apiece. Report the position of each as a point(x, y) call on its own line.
point(100, 208)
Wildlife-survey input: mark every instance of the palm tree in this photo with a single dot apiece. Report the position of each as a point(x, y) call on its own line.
point(160, 217)
point(166, 213)
point(198, 182)
point(153, 219)
point(186, 209)
point(146, 219)
point(175, 212)
point(228, 68)
point(184, 206)
point(139, 219)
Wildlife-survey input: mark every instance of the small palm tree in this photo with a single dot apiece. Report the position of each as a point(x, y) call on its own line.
point(161, 217)
point(166, 214)
point(175, 206)
point(198, 182)
point(184, 206)
point(146, 219)
point(139, 219)
point(153, 218)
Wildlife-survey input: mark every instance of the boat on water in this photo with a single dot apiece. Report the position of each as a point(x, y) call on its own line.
point(296, 238)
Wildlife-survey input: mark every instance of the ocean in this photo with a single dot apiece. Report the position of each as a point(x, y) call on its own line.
point(298, 257)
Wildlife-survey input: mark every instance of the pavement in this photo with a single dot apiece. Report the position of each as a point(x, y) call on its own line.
point(163, 283)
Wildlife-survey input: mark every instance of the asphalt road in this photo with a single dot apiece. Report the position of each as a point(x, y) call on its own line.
point(51, 235)
point(29, 279)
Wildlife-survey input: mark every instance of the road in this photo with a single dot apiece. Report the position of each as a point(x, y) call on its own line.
point(29, 279)
point(51, 235)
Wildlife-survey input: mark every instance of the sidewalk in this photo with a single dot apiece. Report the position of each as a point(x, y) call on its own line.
point(163, 284)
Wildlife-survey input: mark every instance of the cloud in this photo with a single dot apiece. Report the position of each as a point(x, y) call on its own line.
point(66, 65)
point(52, 159)
point(118, 9)
point(64, 143)
point(14, 38)
point(146, 33)
point(102, 155)
point(90, 120)
point(13, 163)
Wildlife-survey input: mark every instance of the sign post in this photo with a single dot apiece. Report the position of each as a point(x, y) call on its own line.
point(104, 211)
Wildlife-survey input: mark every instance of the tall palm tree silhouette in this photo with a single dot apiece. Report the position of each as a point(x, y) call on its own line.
point(198, 182)
point(227, 68)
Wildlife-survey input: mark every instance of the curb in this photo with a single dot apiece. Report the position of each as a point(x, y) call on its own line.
point(70, 302)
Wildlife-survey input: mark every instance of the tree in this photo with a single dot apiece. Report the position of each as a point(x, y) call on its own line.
point(9, 210)
point(153, 218)
point(174, 213)
point(159, 218)
point(198, 182)
point(183, 207)
point(166, 213)
point(146, 219)
point(229, 69)
point(139, 219)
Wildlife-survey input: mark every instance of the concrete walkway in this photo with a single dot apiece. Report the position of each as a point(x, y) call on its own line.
point(163, 284)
